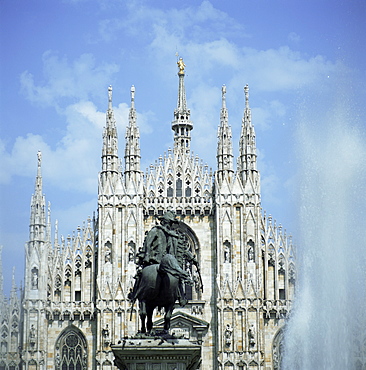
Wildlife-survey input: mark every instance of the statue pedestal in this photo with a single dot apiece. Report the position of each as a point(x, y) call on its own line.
point(157, 354)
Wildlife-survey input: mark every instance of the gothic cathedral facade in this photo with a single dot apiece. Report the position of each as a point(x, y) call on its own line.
point(75, 305)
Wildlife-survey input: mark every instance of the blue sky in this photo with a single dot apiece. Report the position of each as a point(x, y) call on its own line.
point(301, 59)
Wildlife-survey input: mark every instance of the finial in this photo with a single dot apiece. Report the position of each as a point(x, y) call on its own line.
point(110, 97)
point(132, 96)
point(246, 92)
point(39, 156)
point(223, 93)
point(181, 66)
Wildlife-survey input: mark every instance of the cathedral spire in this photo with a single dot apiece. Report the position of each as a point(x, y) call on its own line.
point(224, 145)
point(247, 161)
point(182, 125)
point(110, 142)
point(37, 226)
point(132, 151)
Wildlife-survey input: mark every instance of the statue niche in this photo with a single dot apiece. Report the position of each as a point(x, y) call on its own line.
point(34, 279)
point(227, 251)
point(251, 253)
point(108, 252)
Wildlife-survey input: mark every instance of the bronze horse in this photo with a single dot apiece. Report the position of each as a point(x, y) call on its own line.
point(157, 288)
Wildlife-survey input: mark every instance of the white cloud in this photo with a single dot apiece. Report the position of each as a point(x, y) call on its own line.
point(22, 157)
point(79, 79)
point(75, 160)
point(201, 34)
point(270, 112)
point(284, 69)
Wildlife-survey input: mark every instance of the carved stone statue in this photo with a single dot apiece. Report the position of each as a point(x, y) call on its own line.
point(34, 279)
point(32, 336)
point(106, 336)
point(251, 336)
point(227, 251)
point(108, 252)
point(161, 271)
point(228, 334)
point(251, 254)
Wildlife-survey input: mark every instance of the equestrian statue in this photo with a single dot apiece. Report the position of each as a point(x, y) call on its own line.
point(162, 272)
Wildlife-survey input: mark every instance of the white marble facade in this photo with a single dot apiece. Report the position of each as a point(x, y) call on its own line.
point(75, 296)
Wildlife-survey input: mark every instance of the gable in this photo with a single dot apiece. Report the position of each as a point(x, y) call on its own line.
point(185, 326)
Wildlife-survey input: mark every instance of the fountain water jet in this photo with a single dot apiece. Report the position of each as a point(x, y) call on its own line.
point(327, 328)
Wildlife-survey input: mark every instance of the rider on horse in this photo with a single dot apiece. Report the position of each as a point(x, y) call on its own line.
point(162, 241)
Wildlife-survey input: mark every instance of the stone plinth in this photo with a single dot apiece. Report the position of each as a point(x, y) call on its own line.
point(157, 354)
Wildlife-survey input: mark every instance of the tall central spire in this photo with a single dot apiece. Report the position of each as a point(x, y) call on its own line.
point(182, 125)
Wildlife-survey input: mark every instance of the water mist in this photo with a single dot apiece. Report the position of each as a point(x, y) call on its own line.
point(327, 328)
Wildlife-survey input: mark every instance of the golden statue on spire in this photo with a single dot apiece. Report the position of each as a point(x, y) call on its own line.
point(181, 66)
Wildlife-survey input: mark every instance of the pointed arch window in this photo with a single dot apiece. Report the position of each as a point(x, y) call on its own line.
point(67, 283)
point(169, 191)
point(161, 189)
point(179, 187)
point(188, 191)
point(278, 350)
point(88, 257)
point(197, 189)
point(58, 284)
point(71, 351)
point(4, 347)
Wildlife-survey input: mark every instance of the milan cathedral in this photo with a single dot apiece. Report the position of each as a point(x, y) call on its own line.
point(74, 304)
